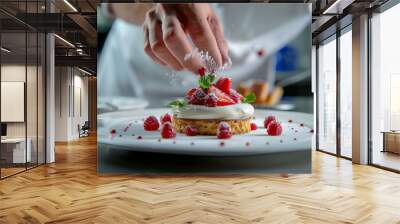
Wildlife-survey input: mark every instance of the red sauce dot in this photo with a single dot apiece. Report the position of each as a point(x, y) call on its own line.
point(301, 125)
point(221, 144)
point(260, 52)
point(312, 131)
point(290, 121)
point(113, 131)
point(139, 137)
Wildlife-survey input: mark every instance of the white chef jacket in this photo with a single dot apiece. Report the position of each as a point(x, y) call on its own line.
point(125, 70)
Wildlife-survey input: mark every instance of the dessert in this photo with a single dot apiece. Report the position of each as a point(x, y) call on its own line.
point(264, 95)
point(212, 103)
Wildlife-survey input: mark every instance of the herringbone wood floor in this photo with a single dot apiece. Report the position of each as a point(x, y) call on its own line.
point(70, 191)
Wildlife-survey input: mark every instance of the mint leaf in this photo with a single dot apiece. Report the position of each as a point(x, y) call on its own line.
point(251, 98)
point(205, 81)
point(178, 103)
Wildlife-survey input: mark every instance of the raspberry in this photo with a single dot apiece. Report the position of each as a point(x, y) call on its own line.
point(224, 84)
point(235, 96)
point(151, 124)
point(202, 71)
point(253, 126)
point(274, 128)
point(167, 131)
point(224, 130)
point(191, 131)
point(198, 97)
point(190, 93)
point(210, 100)
point(268, 120)
point(165, 118)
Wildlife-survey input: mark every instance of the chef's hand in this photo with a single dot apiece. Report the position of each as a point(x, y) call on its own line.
point(167, 28)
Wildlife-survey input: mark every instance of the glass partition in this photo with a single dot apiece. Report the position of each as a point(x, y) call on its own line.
point(385, 89)
point(327, 96)
point(22, 77)
point(346, 93)
point(14, 153)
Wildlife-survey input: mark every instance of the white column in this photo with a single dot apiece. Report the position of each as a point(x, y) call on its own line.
point(360, 90)
point(50, 99)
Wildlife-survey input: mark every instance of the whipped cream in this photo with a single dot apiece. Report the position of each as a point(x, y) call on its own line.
point(230, 112)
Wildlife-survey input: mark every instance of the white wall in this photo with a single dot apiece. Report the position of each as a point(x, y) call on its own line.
point(70, 83)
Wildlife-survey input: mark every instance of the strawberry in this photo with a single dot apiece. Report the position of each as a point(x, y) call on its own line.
point(165, 118)
point(268, 120)
point(253, 126)
point(151, 124)
point(235, 96)
point(197, 97)
point(274, 128)
point(224, 84)
point(191, 131)
point(224, 130)
point(167, 131)
point(210, 100)
point(223, 98)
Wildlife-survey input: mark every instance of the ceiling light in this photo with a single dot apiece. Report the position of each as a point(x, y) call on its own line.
point(338, 6)
point(5, 50)
point(65, 41)
point(84, 71)
point(70, 5)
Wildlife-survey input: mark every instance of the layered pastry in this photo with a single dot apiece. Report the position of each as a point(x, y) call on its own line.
point(206, 106)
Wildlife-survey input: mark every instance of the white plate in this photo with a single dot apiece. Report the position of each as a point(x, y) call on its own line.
point(130, 135)
point(120, 103)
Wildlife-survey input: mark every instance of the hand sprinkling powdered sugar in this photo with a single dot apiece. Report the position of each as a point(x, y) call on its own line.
point(208, 61)
point(172, 32)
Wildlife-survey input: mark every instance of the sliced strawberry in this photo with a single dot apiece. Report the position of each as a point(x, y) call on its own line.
point(211, 100)
point(223, 98)
point(235, 96)
point(224, 84)
point(225, 101)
